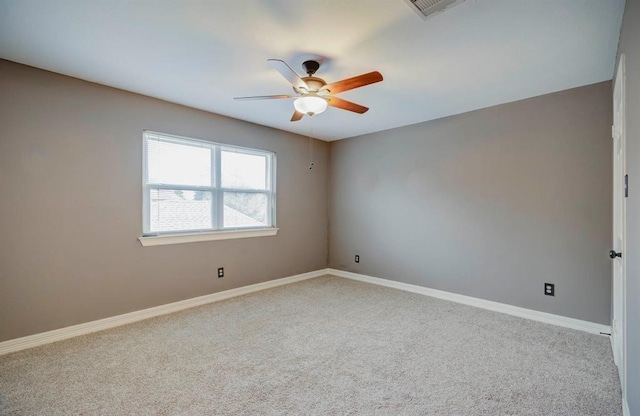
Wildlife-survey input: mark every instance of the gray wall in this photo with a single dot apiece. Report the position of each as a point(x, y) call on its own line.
point(630, 46)
point(71, 210)
point(489, 204)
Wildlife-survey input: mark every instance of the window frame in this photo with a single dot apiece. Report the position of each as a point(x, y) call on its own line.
point(218, 230)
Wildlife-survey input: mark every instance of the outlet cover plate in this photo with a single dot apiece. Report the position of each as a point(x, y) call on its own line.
point(549, 289)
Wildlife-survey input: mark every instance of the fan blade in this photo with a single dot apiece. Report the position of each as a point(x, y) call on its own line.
point(265, 97)
point(288, 73)
point(347, 105)
point(355, 82)
point(297, 115)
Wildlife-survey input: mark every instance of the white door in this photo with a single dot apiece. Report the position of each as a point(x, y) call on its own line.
point(618, 252)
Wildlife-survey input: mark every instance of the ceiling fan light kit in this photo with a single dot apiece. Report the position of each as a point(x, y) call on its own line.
point(313, 94)
point(310, 104)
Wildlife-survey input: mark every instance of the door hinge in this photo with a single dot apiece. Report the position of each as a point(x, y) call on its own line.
point(626, 186)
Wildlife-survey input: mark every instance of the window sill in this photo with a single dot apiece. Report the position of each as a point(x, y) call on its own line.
point(162, 240)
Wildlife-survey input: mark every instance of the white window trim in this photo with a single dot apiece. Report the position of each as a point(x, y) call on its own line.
point(180, 237)
point(166, 239)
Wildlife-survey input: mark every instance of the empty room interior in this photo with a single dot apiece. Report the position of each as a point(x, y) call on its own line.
point(376, 207)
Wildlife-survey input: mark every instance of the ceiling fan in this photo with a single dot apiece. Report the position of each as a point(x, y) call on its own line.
point(313, 94)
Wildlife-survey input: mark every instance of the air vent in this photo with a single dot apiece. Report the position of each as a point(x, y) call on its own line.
point(427, 8)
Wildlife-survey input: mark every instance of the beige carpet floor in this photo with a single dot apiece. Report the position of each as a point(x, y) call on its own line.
point(327, 346)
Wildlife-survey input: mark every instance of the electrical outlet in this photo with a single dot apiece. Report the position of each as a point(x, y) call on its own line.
point(549, 289)
point(220, 272)
point(357, 258)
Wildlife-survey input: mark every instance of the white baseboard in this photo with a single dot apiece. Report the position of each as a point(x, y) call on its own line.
point(547, 318)
point(35, 340)
point(114, 321)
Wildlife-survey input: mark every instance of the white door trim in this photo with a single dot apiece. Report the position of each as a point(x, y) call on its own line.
point(618, 324)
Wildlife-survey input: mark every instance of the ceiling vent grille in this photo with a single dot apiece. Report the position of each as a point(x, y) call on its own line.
point(427, 8)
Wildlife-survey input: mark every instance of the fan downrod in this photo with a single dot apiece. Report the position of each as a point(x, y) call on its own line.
point(310, 67)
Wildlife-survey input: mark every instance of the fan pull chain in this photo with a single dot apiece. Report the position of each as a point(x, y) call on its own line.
point(311, 144)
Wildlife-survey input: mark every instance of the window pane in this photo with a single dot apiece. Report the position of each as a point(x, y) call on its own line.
point(176, 210)
point(178, 164)
point(241, 170)
point(242, 209)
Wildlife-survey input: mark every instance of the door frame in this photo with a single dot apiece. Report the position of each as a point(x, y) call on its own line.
point(619, 269)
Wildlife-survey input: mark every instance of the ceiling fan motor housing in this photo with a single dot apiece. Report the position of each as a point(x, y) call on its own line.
point(313, 83)
point(310, 67)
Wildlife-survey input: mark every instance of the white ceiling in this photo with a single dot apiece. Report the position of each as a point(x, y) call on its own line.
point(203, 53)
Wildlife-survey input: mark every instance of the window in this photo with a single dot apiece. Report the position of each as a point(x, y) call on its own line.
point(193, 186)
